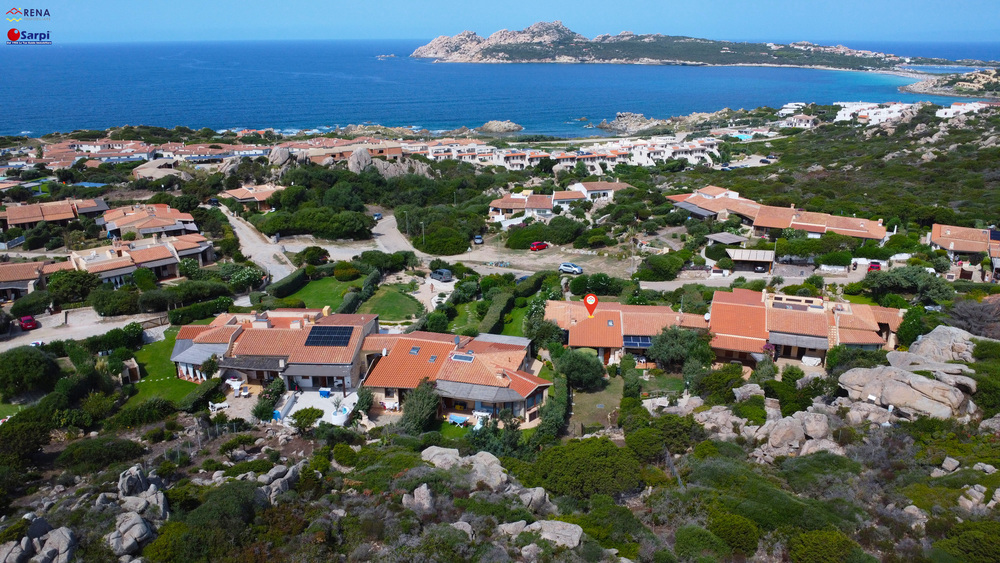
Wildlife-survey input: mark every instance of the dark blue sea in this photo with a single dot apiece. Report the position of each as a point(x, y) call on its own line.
point(305, 85)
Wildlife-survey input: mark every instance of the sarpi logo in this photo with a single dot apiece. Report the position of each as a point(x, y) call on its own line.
point(14, 12)
point(21, 37)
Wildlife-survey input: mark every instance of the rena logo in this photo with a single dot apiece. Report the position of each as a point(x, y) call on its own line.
point(13, 35)
point(14, 12)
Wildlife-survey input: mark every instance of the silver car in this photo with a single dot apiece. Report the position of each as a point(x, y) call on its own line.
point(570, 268)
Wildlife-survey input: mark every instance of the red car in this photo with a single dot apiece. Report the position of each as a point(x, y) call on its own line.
point(874, 267)
point(539, 245)
point(28, 323)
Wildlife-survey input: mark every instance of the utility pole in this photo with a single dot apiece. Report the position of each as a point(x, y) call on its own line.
point(423, 235)
point(407, 215)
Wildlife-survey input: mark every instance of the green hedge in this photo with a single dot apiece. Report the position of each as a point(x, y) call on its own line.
point(493, 321)
point(351, 303)
point(530, 286)
point(289, 284)
point(191, 313)
point(258, 466)
point(151, 410)
point(34, 303)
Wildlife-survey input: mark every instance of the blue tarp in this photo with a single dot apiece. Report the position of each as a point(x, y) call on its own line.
point(455, 419)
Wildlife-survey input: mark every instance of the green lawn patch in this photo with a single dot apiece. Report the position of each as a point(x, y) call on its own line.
point(585, 405)
point(546, 373)
point(516, 325)
point(327, 291)
point(7, 409)
point(450, 431)
point(159, 376)
point(860, 299)
point(663, 383)
point(391, 303)
point(466, 318)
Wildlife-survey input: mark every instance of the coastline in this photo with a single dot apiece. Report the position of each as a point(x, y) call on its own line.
point(914, 74)
point(929, 87)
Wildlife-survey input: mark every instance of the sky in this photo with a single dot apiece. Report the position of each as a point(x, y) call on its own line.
point(830, 21)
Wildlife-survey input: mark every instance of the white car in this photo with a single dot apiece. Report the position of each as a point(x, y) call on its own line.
point(570, 268)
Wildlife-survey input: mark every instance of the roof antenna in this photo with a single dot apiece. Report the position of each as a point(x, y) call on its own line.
point(458, 341)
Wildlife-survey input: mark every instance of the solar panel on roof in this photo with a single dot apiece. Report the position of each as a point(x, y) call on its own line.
point(329, 336)
point(462, 358)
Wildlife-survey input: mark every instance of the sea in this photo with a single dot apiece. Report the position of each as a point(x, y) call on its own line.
point(319, 85)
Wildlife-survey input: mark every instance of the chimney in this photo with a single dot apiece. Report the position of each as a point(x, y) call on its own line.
point(281, 363)
point(296, 324)
point(792, 205)
point(385, 352)
point(326, 311)
point(880, 222)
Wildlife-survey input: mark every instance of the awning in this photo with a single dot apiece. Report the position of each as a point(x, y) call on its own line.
point(472, 392)
point(747, 255)
point(812, 342)
point(694, 209)
point(726, 238)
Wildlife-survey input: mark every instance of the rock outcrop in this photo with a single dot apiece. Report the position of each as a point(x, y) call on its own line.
point(500, 127)
point(560, 533)
point(911, 393)
point(628, 123)
point(360, 160)
point(279, 156)
point(421, 501)
point(131, 532)
point(945, 344)
point(470, 47)
point(40, 544)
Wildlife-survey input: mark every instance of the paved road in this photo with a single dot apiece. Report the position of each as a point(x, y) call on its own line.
point(82, 324)
point(259, 248)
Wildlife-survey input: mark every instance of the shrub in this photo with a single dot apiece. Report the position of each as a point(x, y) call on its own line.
point(821, 546)
point(92, 455)
point(345, 455)
point(149, 411)
point(854, 288)
point(739, 533)
point(587, 467)
point(114, 302)
point(420, 408)
point(751, 409)
point(234, 443)
point(583, 371)
point(976, 542)
point(34, 303)
point(345, 272)
point(694, 542)
point(288, 284)
point(26, 368)
point(493, 320)
point(258, 466)
point(191, 313)
point(647, 443)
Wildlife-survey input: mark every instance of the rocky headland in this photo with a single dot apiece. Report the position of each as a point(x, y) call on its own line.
point(979, 84)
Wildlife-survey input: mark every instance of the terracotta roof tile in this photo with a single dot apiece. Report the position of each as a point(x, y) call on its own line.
point(19, 271)
point(217, 335)
point(108, 265)
point(189, 332)
point(797, 322)
point(150, 254)
point(738, 343)
point(852, 336)
point(54, 267)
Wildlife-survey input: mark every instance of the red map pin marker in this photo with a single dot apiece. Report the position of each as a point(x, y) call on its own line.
point(591, 302)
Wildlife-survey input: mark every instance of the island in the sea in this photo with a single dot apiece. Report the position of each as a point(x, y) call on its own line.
point(552, 42)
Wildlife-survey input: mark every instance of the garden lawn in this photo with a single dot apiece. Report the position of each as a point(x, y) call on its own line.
point(159, 376)
point(516, 325)
point(663, 383)
point(466, 318)
point(327, 291)
point(451, 432)
point(585, 408)
point(860, 299)
point(390, 303)
point(7, 409)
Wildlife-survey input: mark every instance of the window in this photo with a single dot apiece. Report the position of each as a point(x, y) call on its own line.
point(389, 393)
point(415, 350)
point(433, 359)
point(611, 322)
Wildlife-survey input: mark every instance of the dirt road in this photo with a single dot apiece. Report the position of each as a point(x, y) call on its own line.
point(82, 323)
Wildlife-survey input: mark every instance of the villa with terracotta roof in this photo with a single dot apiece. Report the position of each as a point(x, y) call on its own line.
point(161, 255)
point(310, 349)
point(253, 197)
point(485, 374)
point(616, 329)
point(20, 278)
point(526, 203)
point(747, 325)
point(58, 212)
point(720, 203)
point(965, 242)
point(147, 220)
point(598, 190)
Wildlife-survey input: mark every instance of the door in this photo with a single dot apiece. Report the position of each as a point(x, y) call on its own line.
point(607, 355)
